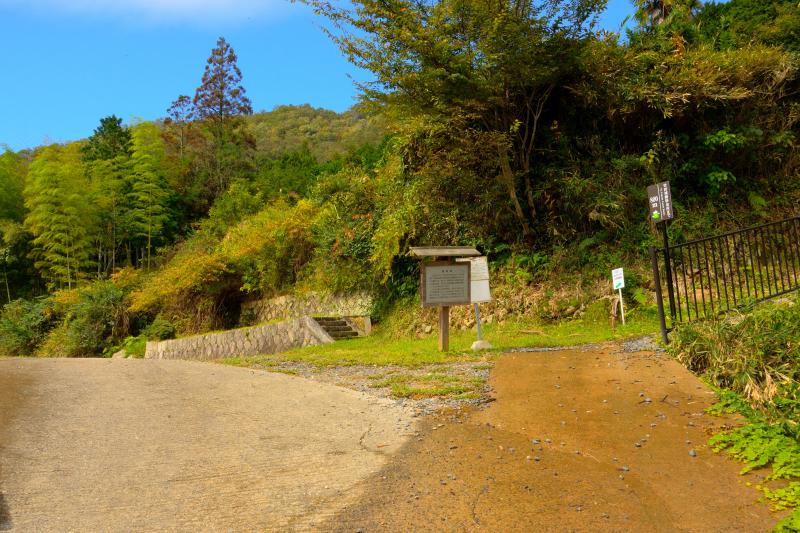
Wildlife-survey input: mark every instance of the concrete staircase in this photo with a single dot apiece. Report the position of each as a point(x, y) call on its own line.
point(337, 328)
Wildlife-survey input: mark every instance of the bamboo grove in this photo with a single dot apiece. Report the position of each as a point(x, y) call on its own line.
point(514, 125)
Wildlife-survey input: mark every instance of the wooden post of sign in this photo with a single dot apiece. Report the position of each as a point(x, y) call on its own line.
point(622, 307)
point(444, 328)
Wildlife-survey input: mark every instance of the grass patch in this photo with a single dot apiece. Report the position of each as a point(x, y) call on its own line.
point(755, 356)
point(288, 371)
point(435, 384)
point(387, 347)
point(260, 361)
point(586, 330)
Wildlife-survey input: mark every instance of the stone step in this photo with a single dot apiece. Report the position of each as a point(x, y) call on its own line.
point(334, 324)
point(331, 321)
point(337, 328)
point(343, 334)
point(330, 328)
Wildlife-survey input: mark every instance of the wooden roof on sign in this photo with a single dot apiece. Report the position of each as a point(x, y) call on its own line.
point(444, 251)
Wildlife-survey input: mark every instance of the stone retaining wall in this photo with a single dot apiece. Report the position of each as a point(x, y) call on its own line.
point(329, 305)
point(256, 340)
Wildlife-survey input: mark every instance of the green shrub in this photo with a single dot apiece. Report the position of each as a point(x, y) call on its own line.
point(133, 346)
point(768, 440)
point(92, 318)
point(160, 329)
point(23, 324)
point(97, 319)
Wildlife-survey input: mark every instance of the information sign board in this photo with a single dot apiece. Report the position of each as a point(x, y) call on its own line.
point(618, 278)
point(660, 200)
point(445, 284)
point(479, 279)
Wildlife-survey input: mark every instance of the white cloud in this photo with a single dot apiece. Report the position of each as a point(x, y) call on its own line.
point(159, 10)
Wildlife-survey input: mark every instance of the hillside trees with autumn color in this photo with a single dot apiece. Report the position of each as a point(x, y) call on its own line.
point(517, 127)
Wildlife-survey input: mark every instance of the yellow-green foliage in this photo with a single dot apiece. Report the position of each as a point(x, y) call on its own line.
point(343, 232)
point(702, 77)
point(55, 344)
point(193, 265)
point(754, 362)
point(265, 250)
point(271, 248)
point(755, 356)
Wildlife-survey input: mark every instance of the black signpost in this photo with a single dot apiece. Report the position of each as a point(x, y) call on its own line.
point(660, 201)
point(660, 197)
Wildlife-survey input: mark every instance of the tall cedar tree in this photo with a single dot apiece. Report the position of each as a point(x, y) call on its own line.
point(221, 95)
point(220, 101)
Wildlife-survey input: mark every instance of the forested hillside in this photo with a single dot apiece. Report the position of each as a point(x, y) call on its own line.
point(516, 127)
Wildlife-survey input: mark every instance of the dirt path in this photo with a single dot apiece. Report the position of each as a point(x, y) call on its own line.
point(576, 441)
point(121, 445)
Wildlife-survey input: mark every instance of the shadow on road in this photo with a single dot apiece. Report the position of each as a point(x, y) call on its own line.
point(12, 396)
point(5, 516)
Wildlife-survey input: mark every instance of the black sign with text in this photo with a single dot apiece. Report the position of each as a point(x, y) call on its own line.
point(660, 200)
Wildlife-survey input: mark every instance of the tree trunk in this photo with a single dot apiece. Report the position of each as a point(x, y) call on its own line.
point(528, 142)
point(508, 177)
point(8, 290)
point(529, 196)
point(69, 273)
point(114, 242)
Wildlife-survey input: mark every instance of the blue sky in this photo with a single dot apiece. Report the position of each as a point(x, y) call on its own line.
point(67, 63)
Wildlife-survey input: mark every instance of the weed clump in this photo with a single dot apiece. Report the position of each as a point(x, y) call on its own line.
point(752, 360)
point(754, 355)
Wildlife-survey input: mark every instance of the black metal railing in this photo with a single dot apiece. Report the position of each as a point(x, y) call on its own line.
point(708, 277)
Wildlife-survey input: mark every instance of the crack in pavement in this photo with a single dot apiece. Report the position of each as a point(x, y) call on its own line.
point(475, 518)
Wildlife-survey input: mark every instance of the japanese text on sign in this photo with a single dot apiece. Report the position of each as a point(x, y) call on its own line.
point(660, 200)
point(445, 284)
point(479, 279)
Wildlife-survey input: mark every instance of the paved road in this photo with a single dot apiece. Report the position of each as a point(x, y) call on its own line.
point(135, 445)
